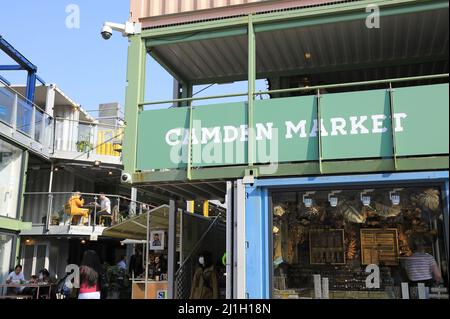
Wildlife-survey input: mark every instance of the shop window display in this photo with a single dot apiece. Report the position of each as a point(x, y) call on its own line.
point(359, 243)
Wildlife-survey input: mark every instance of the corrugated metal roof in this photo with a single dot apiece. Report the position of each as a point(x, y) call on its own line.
point(422, 35)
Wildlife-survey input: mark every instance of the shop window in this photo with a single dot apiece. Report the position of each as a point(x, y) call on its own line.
point(359, 244)
point(6, 245)
point(10, 168)
point(35, 257)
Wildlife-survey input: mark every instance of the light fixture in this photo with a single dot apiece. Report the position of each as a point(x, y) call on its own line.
point(97, 163)
point(307, 56)
point(276, 230)
point(333, 199)
point(28, 241)
point(110, 173)
point(307, 200)
point(83, 242)
point(366, 199)
point(56, 169)
point(395, 197)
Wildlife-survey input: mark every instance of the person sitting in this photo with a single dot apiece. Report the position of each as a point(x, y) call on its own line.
point(75, 205)
point(104, 206)
point(42, 279)
point(15, 277)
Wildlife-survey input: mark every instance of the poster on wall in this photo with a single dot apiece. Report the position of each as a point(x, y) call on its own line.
point(157, 240)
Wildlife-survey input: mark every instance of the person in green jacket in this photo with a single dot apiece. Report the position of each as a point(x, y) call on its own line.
point(204, 282)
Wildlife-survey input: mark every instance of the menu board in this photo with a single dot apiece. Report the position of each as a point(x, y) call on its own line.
point(379, 246)
point(327, 247)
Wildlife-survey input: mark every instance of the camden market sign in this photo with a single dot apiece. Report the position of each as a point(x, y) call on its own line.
point(353, 125)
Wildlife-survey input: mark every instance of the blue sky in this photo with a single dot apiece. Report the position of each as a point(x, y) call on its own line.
point(87, 68)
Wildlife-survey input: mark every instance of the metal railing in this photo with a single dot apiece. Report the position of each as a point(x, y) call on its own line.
point(317, 90)
point(88, 137)
point(25, 116)
point(54, 209)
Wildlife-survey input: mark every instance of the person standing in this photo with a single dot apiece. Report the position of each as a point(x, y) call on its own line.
point(136, 268)
point(204, 283)
point(90, 275)
point(421, 267)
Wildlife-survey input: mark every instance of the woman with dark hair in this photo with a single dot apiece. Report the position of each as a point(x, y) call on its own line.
point(204, 283)
point(90, 274)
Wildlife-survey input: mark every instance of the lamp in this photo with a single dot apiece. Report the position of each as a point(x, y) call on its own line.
point(333, 199)
point(308, 201)
point(366, 199)
point(97, 163)
point(395, 197)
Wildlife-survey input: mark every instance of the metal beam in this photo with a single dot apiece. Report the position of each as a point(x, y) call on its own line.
point(134, 94)
point(11, 68)
point(16, 55)
point(229, 241)
point(196, 36)
point(5, 81)
point(251, 89)
point(302, 169)
point(172, 249)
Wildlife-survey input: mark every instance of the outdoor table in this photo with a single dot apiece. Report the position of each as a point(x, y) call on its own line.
point(38, 286)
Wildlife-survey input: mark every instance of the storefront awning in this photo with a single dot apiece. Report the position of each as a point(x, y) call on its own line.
point(136, 227)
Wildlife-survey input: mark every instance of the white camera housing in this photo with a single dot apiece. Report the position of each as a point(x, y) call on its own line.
point(126, 178)
point(126, 29)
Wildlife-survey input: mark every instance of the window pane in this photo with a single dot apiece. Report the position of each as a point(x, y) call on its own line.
point(6, 242)
point(39, 118)
point(24, 114)
point(40, 258)
point(326, 238)
point(28, 261)
point(6, 105)
point(10, 168)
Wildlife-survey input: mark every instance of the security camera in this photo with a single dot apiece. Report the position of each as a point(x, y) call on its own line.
point(107, 32)
point(126, 29)
point(125, 178)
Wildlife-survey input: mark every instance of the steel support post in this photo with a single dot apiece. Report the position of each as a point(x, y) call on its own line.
point(172, 249)
point(137, 54)
point(229, 241)
point(251, 90)
point(240, 244)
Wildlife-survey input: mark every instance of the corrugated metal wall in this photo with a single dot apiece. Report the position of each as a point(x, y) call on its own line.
point(154, 13)
point(35, 206)
point(152, 8)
